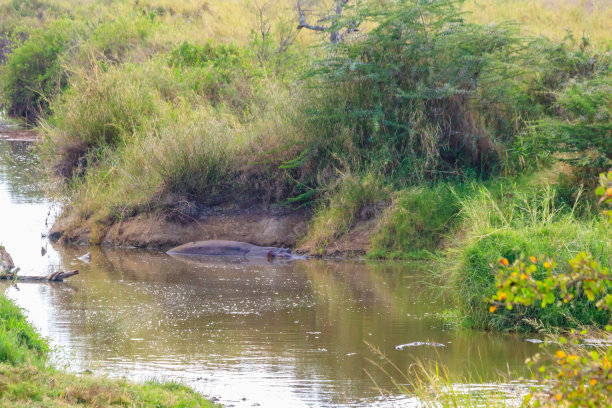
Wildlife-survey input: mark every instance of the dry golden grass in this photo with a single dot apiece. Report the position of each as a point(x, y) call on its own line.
point(551, 18)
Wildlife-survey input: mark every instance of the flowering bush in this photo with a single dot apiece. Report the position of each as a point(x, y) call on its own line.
point(574, 375)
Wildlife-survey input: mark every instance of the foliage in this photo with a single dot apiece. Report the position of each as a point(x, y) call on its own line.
point(224, 73)
point(580, 379)
point(577, 379)
point(33, 74)
point(513, 221)
point(522, 284)
point(583, 127)
point(405, 93)
point(604, 191)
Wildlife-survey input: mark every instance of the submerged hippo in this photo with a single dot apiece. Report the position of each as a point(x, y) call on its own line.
point(232, 248)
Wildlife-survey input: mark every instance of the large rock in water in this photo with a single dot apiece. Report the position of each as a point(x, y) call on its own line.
point(232, 248)
point(6, 262)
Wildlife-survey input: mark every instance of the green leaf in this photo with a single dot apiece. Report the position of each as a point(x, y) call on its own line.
point(549, 298)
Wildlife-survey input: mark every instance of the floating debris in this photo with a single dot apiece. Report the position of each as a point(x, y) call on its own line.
point(85, 258)
point(419, 343)
point(534, 341)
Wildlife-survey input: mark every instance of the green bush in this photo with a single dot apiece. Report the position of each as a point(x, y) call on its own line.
point(33, 74)
point(223, 73)
point(404, 95)
point(558, 239)
point(114, 40)
point(583, 127)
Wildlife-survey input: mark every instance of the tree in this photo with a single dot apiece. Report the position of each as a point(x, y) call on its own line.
point(332, 21)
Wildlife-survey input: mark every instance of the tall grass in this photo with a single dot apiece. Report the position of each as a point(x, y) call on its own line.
point(512, 223)
point(352, 199)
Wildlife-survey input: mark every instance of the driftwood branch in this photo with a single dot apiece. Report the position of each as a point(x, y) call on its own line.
point(54, 277)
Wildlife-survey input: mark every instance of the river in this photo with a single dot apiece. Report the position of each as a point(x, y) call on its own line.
point(246, 334)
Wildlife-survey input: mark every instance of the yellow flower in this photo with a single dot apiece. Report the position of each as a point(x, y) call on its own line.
point(492, 309)
point(547, 265)
point(593, 382)
point(502, 296)
point(504, 262)
point(523, 276)
point(558, 397)
point(533, 259)
point(561, 354)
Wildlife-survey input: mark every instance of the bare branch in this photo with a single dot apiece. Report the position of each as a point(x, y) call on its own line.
point(335, 35)
point(302, 20)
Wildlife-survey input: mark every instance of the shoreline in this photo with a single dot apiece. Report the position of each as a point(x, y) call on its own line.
point(258, 227)
point(19, 135)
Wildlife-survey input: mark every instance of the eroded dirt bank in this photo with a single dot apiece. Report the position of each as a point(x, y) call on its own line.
point(18, 134)
point(262, 228)
point(148, 231)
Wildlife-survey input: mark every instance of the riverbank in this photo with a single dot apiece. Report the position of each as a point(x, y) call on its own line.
point(341, 145)
point(28, 379)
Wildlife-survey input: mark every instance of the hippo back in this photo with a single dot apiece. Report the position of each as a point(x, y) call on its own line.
point(213, 248)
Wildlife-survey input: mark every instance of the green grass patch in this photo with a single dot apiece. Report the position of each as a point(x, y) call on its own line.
point(511, 223)
point(26, 379)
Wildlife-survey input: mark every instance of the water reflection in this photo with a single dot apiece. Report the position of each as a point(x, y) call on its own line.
point(268, 334)
point(25, 213)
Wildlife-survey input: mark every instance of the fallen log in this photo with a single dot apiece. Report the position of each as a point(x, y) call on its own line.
point(54, 277)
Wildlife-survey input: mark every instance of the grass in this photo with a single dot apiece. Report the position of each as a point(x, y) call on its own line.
point(550, 18)
point(514, 221)
point(26, 378)
point(432, 385)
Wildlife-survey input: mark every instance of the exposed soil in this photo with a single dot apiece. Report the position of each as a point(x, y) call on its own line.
point(148, 231)
point(259, 227)
point(10, 133)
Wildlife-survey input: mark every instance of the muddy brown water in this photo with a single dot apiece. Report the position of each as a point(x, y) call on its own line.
point(246, 334)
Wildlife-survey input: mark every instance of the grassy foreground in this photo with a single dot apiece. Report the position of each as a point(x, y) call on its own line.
point(26, 378)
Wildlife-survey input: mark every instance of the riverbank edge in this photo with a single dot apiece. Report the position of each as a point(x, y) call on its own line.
point(27, 378)
point(260, 226)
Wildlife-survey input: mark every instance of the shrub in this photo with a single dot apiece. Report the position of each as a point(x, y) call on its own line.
point(33, 74)
point(404, 93)
point(115, 39)
point(581, 376)
point(583, 127)
point(512, 222)
point(224, 73)
point(560, 239)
